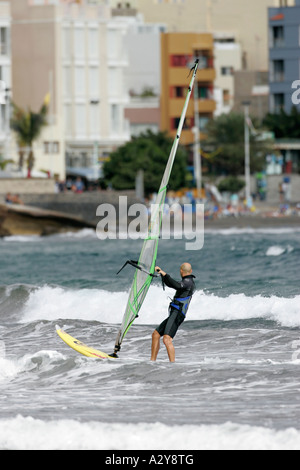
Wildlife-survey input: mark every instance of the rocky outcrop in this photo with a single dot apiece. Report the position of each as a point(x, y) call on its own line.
point(26, 220)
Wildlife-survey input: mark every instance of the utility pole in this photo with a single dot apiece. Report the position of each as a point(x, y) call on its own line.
point(197, 148)
point(7, 123)
point(246, 105)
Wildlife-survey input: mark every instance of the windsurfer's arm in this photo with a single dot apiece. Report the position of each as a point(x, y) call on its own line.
point(168, 280)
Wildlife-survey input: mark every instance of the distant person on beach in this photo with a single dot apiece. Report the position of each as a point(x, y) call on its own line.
point(285, 190)
point(281, 193)
point(177, 310)
point(13, 199)
point(79, 186)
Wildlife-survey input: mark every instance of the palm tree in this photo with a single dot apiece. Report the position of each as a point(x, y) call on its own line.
point(28, 126)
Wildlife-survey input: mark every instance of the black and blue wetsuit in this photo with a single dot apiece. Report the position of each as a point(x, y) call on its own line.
point(179, 305)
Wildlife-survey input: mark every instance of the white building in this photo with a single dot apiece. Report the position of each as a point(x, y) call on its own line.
point(143, 76)
point(76, 51)
point(228, 59)
point(94, 59)
point(5, 80)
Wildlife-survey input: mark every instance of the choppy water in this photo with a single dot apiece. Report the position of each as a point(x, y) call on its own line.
point(236, 380)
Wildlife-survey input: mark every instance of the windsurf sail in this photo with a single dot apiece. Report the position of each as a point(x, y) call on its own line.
point(145, 266)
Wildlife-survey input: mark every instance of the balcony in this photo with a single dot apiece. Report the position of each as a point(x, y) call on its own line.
point(187, 136)
point(124, 11)
point(178, 75)
point(207, 106)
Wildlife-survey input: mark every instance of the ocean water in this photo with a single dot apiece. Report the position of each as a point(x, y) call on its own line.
point(236, 380)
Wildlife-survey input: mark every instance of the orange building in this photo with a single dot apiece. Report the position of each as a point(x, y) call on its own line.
point(178, 52)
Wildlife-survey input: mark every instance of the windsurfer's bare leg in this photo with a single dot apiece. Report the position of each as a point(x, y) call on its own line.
point(155, 345)
point(168, 342)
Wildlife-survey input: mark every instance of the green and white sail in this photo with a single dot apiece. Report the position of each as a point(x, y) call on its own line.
point(145, 267)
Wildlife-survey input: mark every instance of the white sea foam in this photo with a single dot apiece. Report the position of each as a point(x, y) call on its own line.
point(275, 251)
point(85, 233)
point(53, 303)
point(11, 368)
point(252, 231)
point(8, 369)
point(26, 433)
point(278, 250)
point(89, 233)
point(22, 238)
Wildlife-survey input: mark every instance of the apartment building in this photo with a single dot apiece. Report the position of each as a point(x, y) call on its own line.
point(76, 51)
point(5, 80)
point(284, 70)
point(228, 60)
point(179, 51)
point(246, 20)
point(284, 55)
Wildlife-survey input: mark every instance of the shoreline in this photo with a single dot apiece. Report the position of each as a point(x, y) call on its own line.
point(254, 221)
point(30, 220)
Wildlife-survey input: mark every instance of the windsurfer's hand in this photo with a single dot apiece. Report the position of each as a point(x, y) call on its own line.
point(160, 271)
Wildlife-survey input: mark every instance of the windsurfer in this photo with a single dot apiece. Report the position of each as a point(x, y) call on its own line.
point(177, 310)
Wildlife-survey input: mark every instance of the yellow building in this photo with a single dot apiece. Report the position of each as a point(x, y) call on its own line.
point(178, 52)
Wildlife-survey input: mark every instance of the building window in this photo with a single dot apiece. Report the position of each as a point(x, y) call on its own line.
point(114, 45)
point(66, 43)
point(51, 147)
point(278, 36)
point(79, 43)
point(93, 43)
point(178, 92)
point(181, 60)
point(115, 119)
point(94, 81)
point(80, 81)
point(67, 81)
point(2, 118)
point(203, 121)
point(226, 97)
point(115, 82)
point(68, 118)
point(188, 123)
point(278, 102)
point(278, 71)
point(205, 92)
point(94, 119)
point(3, 41)
point(206, 60)
point(227, 70)
point(80, 120)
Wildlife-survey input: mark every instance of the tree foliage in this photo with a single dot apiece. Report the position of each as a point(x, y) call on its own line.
point(227, 133)
point(284, 125)
point(148, 152)
point(231, 184)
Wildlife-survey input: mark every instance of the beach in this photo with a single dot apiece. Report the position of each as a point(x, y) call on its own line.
point(46, 215)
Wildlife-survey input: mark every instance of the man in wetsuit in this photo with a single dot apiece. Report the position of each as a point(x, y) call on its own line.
point(177, 310)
